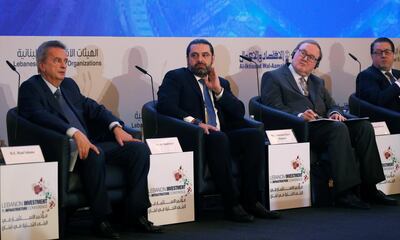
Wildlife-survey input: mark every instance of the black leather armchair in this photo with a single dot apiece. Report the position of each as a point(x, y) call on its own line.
point(275, 119)
point(375, 113)
point(57, 147)
point(191, 138)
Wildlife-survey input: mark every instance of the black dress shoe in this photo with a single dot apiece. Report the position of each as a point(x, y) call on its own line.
point(350, 200)
point(238, 214)
point(104, 230)
point(380, 198)
point(143, 225)
point(259, 211)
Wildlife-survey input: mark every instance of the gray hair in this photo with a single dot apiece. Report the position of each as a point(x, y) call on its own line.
point(41, 52)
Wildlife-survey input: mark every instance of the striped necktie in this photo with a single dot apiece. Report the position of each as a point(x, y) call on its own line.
point(303, 85)
point(391, 77)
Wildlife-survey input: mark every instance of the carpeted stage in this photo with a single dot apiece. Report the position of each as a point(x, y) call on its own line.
point(378, 223)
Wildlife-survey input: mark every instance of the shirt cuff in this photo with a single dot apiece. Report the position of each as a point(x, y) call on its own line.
point(113, 124)
point(188, 119)
point(219, 95)
point(71, 131)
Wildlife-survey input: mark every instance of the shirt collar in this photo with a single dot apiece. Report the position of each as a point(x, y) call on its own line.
point(295, 74)
point(53, 89)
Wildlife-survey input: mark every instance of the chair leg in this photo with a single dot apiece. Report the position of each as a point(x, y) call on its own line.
point(62, 223)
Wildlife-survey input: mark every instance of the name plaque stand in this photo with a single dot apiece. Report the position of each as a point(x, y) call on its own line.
point(28, 195)
point(288, 171)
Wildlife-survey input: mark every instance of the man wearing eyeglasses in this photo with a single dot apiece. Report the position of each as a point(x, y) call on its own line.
point(293, 89)
point(379, 84)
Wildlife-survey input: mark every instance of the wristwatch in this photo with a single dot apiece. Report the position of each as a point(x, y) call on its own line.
point(196, 121)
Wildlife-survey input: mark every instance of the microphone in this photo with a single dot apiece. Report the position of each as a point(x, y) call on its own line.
point(258, 79)
point(152, 91)
point(359, 70)
point(142, 70)
point(355, 59)
point(19, 84)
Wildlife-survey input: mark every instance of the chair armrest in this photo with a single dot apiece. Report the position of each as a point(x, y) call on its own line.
point(274, 119)
point(135, 132)
point(55, 146)
point(375, 113)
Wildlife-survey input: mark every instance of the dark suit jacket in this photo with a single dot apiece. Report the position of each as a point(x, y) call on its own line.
point(373, 86)
point(37, 103)
point(180, 96)
point(279, 90)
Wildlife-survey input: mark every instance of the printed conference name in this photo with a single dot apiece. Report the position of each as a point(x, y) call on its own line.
point(264, 59)
point(71, 53)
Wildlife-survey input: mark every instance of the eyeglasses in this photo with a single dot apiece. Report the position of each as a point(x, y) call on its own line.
point(307, 57)
point(380, 52)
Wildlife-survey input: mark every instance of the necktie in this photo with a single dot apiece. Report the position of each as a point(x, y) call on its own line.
point(68, 113)
point(391, 77)
point(211, 118)
point(303, 85)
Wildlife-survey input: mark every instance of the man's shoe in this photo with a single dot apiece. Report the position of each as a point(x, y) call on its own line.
point(143, 225)
point(104, 230)
point(259, 211)
point(380, 198)
point(238, 214)
point(350, 200)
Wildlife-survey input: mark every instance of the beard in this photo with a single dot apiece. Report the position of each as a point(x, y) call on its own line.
point(199, 70)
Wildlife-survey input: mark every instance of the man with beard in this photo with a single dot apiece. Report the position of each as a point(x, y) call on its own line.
point(379, 84)
point(197, 95)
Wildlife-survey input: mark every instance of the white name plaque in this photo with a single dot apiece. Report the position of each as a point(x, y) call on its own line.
point(380, 128)
point(22, 154)
point(283, 136)
point(164, 145)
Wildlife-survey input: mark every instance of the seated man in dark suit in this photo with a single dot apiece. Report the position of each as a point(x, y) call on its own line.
point(293, 88)
point(379, 84)
point(54, 101)
point(197, 95)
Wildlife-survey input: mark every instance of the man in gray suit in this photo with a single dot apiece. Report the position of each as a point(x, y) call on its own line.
point(293, 88)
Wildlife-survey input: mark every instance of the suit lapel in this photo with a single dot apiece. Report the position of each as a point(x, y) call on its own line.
point(195, 85)
point(68, 96)
point(290, 79)
point(312, 88)
point(50, 97)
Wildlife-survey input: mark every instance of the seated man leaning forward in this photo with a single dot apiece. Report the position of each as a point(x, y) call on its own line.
point(293, 88)
point(197, 95)
point(55, 102)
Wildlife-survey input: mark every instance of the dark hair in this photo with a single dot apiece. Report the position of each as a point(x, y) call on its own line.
point(41, 52)
point(313, 42)
point(199, 41)
point(380, 40)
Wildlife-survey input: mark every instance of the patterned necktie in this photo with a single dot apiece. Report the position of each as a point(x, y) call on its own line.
point(303, 85)
point(391, 77)
point(68, 113)
point(211, 116)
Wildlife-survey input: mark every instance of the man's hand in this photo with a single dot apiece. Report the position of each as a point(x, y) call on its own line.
point(337, 117)
point(121, 136)
point(207, 128)
point(84, 145)
point(212, 82)
point(309, 115)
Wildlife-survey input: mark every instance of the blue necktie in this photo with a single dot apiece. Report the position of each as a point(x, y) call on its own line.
point(68, 113)
point(211, 117)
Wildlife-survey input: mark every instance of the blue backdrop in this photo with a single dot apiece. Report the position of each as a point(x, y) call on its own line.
point(209, 18)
